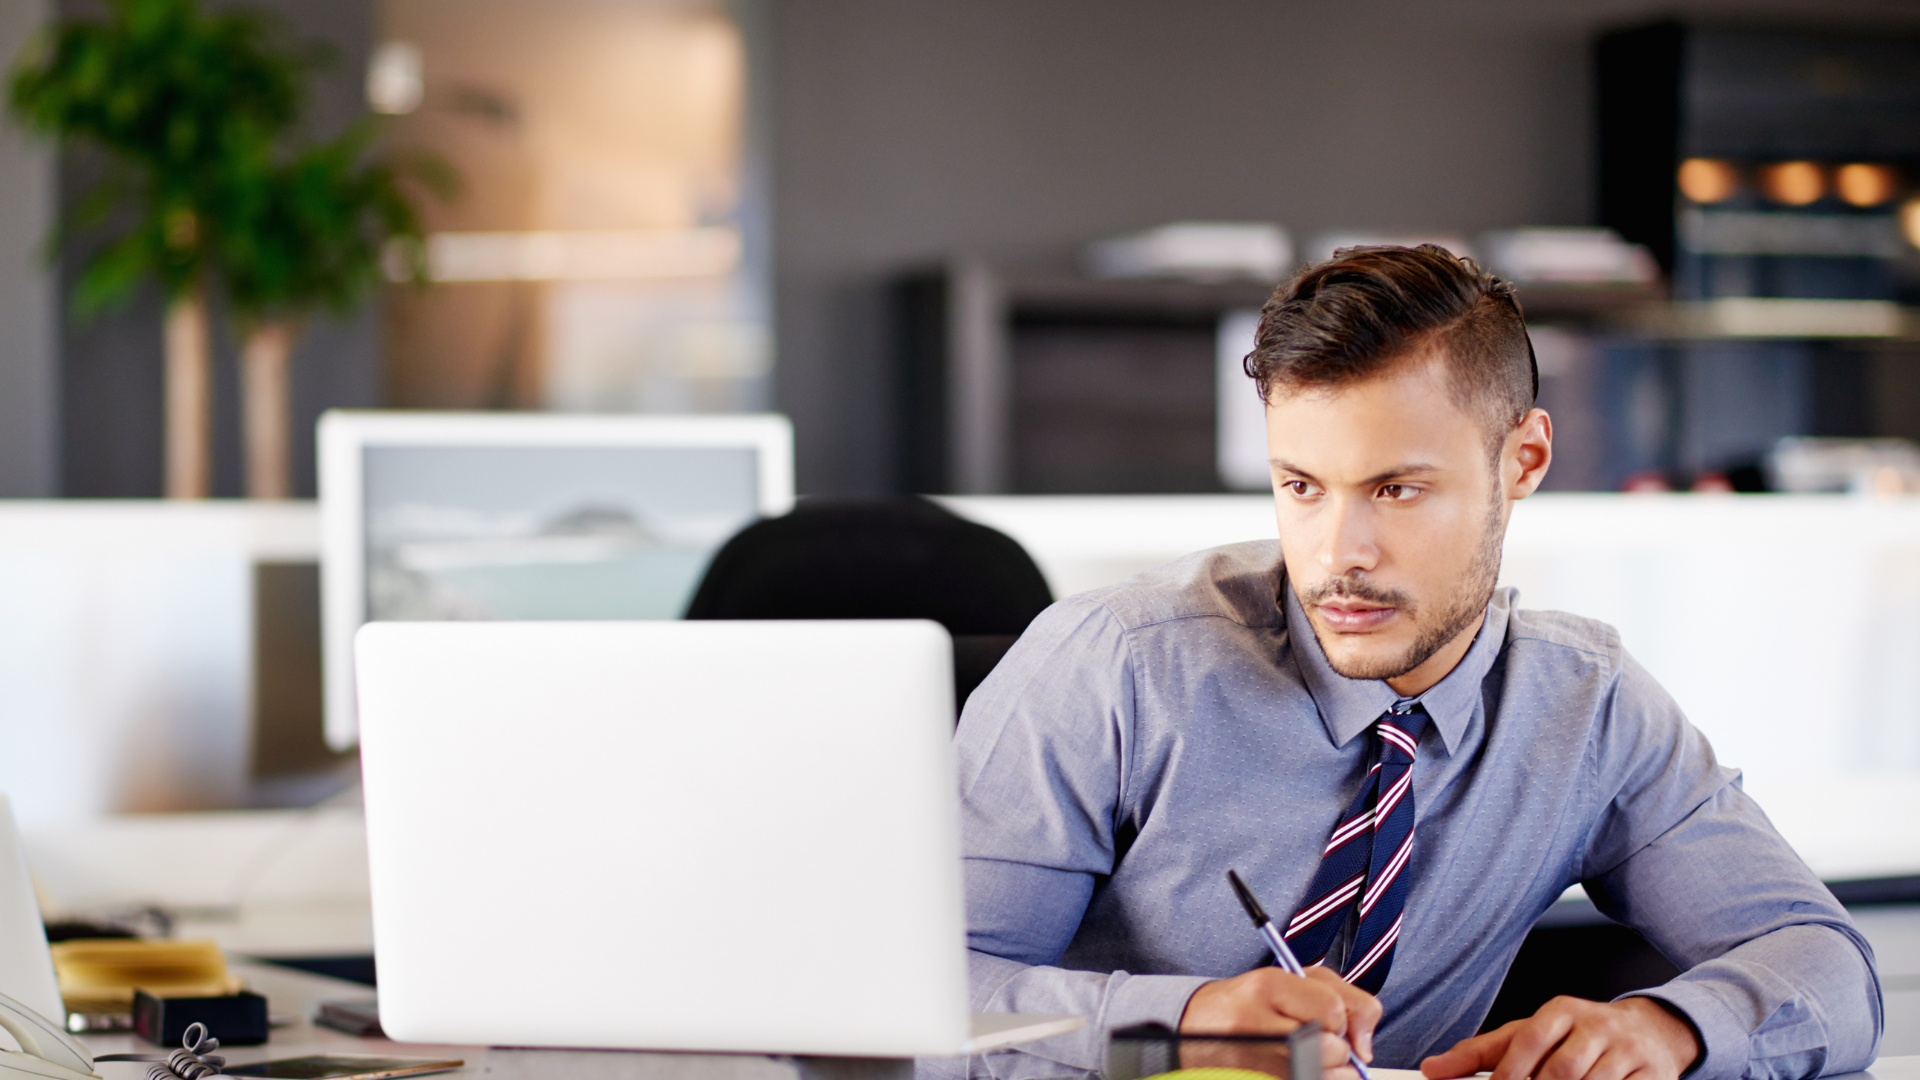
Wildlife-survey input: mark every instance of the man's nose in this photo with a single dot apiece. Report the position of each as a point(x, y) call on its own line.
point(1349, 543)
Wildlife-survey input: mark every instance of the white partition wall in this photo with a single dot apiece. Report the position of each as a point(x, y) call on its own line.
point(1082, 542)
point(126, 651)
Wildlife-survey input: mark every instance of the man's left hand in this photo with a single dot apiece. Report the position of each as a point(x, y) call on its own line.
point(1571, 1039)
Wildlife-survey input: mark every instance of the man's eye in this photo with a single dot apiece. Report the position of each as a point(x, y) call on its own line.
point(1299, 488)
point(1396, 492)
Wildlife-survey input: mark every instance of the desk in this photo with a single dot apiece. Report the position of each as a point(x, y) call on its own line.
point(296, 994)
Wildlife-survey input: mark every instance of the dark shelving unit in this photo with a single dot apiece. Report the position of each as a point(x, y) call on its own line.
point(1048, 383)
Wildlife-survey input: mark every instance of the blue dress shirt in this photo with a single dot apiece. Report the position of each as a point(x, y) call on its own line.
point(1142, 739)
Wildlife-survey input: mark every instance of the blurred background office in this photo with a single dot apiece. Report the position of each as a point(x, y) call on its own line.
point(729, 197)
point(1007, 254)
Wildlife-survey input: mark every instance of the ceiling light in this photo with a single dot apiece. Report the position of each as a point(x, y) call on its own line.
point(394, 82)
point(1708, 180)
point(1865, 185)
point(1793, 183)
point(1910, 220)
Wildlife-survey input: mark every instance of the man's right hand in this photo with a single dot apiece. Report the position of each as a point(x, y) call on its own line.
point(1268, 1001)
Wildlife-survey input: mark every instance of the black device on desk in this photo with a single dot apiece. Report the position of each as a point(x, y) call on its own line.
point(358, 1018)
point(235, 1019)
point(1149, 1050)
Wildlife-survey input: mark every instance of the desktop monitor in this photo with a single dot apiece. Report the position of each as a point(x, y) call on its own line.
point(528, 516)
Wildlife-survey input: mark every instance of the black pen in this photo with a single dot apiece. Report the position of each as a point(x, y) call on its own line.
point(1278, 945)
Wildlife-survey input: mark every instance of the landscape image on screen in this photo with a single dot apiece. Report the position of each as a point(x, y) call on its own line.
point(508, 532)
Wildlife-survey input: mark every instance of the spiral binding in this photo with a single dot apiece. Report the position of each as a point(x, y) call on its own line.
point(193, 1061)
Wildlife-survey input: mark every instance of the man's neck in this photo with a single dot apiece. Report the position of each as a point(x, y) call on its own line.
point(1435, 667)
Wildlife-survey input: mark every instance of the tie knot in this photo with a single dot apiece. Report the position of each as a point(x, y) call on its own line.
point(1400, 733)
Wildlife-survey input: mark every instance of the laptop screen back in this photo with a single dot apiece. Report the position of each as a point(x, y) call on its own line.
point(674, 835)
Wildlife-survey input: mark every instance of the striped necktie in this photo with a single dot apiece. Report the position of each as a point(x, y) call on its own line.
point(1363, 869)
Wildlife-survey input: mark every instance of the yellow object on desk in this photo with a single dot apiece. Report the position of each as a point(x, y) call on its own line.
point(99, 975)
point(1211, 1074)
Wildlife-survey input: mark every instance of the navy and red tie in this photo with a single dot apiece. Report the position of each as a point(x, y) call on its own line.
point(1363, 870)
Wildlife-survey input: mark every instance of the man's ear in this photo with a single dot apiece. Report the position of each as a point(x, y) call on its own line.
point(1529, 450)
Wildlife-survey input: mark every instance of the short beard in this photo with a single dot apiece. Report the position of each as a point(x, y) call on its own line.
point(1469, 603)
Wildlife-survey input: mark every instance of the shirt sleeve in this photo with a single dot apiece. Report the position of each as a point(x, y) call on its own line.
point(1045, 748)
point(1776, 980)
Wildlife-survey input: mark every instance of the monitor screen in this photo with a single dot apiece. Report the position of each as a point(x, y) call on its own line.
point(432, 516)
point(547, 532)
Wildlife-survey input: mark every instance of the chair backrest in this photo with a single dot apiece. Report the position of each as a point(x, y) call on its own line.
point(881, 558)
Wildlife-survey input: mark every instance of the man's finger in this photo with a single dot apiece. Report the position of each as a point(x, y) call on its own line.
point(1614, 1065)
point(1363, 1010)
point(1573, 1059)
point(1308, 999)
point(1333, 1052)
point(1469, 1056)
point(1533, 1039)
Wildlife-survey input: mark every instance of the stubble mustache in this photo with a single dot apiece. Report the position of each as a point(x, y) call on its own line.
point(1354, 587)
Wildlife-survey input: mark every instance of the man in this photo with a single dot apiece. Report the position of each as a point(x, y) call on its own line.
point(1405, 768)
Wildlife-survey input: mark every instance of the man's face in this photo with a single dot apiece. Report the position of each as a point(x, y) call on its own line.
point(1391, 517)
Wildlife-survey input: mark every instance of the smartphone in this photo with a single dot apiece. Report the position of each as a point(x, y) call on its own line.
point(340, 1067)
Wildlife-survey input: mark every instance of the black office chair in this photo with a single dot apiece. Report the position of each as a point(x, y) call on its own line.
point(886, 558)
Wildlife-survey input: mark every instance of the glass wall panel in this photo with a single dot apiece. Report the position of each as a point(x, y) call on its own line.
point(595, 258)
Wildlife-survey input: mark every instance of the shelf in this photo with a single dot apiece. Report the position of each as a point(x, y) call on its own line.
point(1065, 297)
point(1757, 318)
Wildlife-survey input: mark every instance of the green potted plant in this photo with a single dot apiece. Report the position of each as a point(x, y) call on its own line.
point(196, 112)
point(174, 96)
point(316, 230)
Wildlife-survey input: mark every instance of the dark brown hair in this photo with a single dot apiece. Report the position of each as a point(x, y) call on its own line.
point(1368, 308)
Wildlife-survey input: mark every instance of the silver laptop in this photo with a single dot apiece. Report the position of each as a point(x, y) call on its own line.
point(729, 836)
point(26, 966)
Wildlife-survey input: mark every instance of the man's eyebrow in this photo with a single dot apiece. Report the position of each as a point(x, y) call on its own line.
point(1398, 472)
point(1286, 466)
point(1402, 472)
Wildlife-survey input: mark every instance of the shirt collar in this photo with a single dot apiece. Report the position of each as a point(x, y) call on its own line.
point(1348, 707)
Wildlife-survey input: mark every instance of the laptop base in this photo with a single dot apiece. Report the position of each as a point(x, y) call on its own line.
point(991, 1031)
point(506, 1064)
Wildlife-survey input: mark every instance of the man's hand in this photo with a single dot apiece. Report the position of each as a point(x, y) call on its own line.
point(1268, 1001)
point(1571, 1039)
